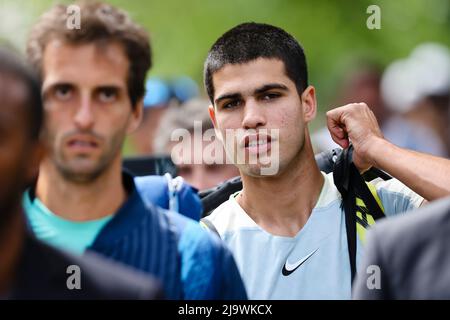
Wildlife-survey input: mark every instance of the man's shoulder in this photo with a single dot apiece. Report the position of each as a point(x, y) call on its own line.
point(411, 252)
point(190, 233)
point(65, 276)
point(194, 241)
point(416, 230)
point(118, 281)
point(395, 196)
point(208, 267)
point(182, 229)
point(223, 212)
point(229, 218)
point(329, 193)
point(163, 190)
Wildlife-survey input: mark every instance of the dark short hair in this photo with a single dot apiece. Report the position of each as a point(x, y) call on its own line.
point(11, 66)
point(250, 41)
point(99, 22)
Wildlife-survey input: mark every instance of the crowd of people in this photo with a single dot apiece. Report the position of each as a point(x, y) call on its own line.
point(295, 232)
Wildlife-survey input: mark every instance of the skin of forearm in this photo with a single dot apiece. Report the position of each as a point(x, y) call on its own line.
point(427, 175)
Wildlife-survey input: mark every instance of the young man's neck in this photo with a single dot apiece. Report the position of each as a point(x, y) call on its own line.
point(281, 205)
point(11, 245)
point(81, 201)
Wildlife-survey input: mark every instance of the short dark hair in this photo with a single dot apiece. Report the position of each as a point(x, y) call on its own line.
point(99, 22)
point(250, 41)
point(11, 66)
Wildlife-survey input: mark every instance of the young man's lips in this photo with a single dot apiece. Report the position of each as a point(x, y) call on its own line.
point(257, 144)
point(82, 144)
point(256, 148)
point(254, 140)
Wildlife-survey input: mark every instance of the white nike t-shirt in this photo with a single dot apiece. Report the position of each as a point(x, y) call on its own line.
point(315, 263)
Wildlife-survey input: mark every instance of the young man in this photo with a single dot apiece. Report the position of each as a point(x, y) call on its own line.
point(93, 86)
point(287, 229)
point(28, 268)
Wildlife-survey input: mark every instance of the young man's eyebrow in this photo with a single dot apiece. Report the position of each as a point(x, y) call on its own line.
point(54, 85)
point(58, 84)
point(228, 96)
point(108, 87)
point(271, 86)
point(260, 90)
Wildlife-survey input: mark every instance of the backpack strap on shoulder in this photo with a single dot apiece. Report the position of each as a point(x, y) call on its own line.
point(358, 196)
point(374, 193)
point(214, 197)
point(368, 194)
point(342, 180)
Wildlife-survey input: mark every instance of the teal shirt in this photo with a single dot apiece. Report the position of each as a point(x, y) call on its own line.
point(74, 236)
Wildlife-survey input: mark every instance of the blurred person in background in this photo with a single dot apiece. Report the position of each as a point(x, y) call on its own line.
point(362, 83)
point(410, 100)
point(417, 90)
point(93, 84)
point(410, 255)
point(160, 94)
point(156, 101)
point(30, 269)
point(193, 117)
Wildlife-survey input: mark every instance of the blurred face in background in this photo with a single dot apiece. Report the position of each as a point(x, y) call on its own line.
point(19, 158)
point(143, 138)
point(208, 173)
point(87, 106)
point(364, 86)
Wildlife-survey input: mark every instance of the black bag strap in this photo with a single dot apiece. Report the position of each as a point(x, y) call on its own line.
point(349, 205)
point(351, 184)
point(363, 192)
point(374, 173)
point(214, 197)
point(342, 180)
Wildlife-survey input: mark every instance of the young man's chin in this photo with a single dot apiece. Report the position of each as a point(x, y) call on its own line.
point(260, 170)
point(82, 171)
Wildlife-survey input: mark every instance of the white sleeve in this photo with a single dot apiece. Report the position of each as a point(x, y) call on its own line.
point(396, 197)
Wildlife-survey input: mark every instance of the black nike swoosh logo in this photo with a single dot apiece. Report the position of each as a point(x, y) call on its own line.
point(289, 268)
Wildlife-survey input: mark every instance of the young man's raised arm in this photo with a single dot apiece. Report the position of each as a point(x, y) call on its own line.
point(427, 175)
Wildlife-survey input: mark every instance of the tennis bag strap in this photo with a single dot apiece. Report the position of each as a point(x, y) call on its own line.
point(353, 187)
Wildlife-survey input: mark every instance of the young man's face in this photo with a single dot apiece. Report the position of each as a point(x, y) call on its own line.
point(87, 107)
point(255, 96)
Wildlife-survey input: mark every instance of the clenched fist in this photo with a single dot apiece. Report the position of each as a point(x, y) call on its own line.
point(355, 123)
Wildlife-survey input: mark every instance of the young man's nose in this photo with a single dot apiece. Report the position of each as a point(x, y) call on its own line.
point(84, 117)
point(254, 116)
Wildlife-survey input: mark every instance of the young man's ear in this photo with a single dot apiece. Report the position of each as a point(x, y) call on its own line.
point(136, 116)
point(212, 115)
point(309, 104)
